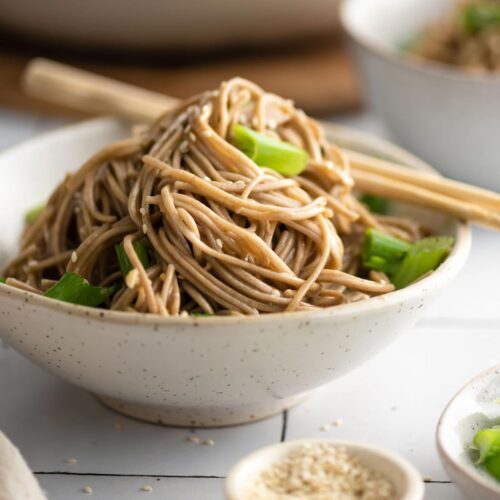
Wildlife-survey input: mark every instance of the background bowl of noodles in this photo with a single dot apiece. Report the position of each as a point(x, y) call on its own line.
point(446, 114)
point(196, 371)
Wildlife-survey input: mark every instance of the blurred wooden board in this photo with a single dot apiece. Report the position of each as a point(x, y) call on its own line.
point(319, 76)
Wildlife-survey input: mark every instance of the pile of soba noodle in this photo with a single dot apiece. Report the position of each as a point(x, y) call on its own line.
point(225, 236)
point(451, 40)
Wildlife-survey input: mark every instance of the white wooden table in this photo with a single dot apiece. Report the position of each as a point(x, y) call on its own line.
point(394, 400)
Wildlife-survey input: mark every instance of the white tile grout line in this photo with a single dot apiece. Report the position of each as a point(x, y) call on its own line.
point(162, 476)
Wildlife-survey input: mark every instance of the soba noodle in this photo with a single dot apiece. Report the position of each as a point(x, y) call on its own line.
point(225, 235)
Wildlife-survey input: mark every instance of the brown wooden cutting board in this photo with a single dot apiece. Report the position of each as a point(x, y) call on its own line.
point(319, 76)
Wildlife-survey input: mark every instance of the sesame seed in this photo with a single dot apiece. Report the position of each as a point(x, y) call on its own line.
point(142, 210)
point(193, 439)
point(329, 164)
point(338, 422)
point(426, 479)
point(208, 442)
point(71, 461)
point(147, 488)
point(144, 228)
point(192, 137)
point(88, 490)
point(325, 427)
point(132, 278)
point(320, 470)
point(272, 124)
point(219, 242)
point(74, 257)
point(206, 178)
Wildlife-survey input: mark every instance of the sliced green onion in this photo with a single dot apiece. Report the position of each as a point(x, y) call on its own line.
point(383, 252)
point(492, 465)
point(478, 18)
point(2, 280)
point(123, 260)
point(424, 256)
point(32, 214)
point(77, 290)
point(487, 442)
point(265, 151)
point(376, 204)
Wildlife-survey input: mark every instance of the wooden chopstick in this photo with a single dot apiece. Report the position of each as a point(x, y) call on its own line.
point(409, 192)
point(431, 181)
point(82, 90)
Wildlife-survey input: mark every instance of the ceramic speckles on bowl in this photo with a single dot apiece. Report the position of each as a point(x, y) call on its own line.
point(194, 371)
point(474, 407)
point(404, 477)
point(442, 113)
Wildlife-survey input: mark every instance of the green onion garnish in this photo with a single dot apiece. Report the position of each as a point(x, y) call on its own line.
point(32, 214)
point(123, 260)
point(2, 280)
point(265, 151)
point(383, 252)
point(424, 256)
point(376, 204)
point(77, 290)
point(487, 442)
point(478, 18)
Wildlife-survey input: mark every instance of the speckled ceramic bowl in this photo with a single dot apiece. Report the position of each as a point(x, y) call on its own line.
point(444, 114)
point(474, 407)
point(194, 371)
point(404, 477)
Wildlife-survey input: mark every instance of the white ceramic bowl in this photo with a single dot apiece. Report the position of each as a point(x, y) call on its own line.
point(167, 24)
point(405, 478)
point(473, 408)
point(193, 371)
point(448, 117)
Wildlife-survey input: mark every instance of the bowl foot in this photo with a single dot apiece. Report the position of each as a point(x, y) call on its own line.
point(200, 417)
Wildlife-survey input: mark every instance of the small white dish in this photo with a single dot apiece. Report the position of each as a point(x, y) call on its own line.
point(196, 371)
point(474, 407)
point(445, 115)
point(405, 478)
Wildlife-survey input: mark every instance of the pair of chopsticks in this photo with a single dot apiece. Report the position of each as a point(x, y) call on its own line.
point(96, 94)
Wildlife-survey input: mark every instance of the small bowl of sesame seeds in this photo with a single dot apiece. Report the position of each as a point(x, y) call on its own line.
point(323, 470)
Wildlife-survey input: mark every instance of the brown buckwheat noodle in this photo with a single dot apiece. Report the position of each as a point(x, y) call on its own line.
point(225, 235)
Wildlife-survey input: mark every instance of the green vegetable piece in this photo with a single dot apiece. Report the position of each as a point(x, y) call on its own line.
point(2, 280)
point(265, 151)
point(492, 465)
point(32, 214)
point(424, 256)
point(487, 441)
point(376, 204)
point(77, 290)
point(478, 18)
point(123, 260)
point(383, 252)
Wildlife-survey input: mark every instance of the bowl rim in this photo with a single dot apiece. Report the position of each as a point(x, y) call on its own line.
point(413, 478)
point(412, 62)
point(445, 456)
point(448, 268)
